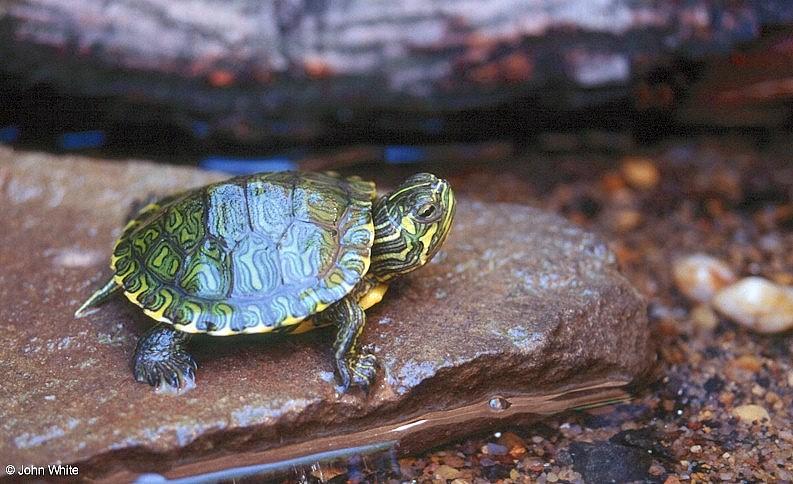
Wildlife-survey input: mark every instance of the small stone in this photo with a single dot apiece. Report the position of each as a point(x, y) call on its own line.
point(625, 219)
point(695, 449)
point(713, 384)
point(727, 398)
point(567, 475)
point(609, 462)
point(454, 461)
point(533, 464)
point(656, 470)
point(699, 276)
point(446, 472)
point(486, 462)
point(749, 363)
point(461, 481)
point(640, 173)
point(511, 441)
point(704, 318)
point(551, 477)
point(494, 449)
point(514, 474)
point(757, 304)
point(672, 480)
point(751, 413)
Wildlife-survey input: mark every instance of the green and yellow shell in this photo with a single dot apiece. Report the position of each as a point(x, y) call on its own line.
point(252, 254)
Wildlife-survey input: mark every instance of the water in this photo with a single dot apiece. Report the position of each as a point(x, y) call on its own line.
point(370, 463)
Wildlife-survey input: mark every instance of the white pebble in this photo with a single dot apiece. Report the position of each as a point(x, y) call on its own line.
point(700, 276)
point(758, 304)
point(750, 413)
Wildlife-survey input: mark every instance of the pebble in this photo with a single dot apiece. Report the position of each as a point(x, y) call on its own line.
point(704, 317)
point(640, 173)
point(512, 441)
point(446, 472)
point(699, 276)
point(750, 413)
point(757, 304)
point(625, 220)
point(749, 363)
point(454, 461)
point(494, 449)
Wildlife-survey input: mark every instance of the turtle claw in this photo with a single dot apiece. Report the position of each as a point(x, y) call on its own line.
point(161, 361)
point(364, 371)
point(359, 371)
point(175, 374)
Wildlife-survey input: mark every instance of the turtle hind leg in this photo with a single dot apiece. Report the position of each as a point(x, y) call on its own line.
point(161, 360)
point(355, 368)
point(101, 295)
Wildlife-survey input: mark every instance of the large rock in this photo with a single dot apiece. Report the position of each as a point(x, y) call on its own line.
point(521, 314)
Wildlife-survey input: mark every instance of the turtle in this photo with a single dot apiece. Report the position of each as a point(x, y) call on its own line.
point(282, 252)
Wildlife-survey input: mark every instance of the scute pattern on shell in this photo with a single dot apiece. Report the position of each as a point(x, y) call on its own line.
point(249, 255)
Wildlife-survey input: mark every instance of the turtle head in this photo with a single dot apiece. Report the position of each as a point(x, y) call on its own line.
point(411, 223)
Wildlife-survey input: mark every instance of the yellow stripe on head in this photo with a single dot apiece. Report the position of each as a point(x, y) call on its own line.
point(419, 211)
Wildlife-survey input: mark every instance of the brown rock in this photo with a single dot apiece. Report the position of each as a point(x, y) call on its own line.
point(520, 315)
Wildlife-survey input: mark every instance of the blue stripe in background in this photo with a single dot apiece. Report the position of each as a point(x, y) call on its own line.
point(242, 166)
point(403, 154)
point(81, 140)
point(200, 129)
point(9, 134)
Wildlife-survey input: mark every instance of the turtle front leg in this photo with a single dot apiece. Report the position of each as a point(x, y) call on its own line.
point(161, 360)
point(353, 366)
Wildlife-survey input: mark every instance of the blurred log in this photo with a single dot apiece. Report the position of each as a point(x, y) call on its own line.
point(750, 87)
point(252, 70)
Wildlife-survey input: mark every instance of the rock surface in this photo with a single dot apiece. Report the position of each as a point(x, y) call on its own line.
point(521, 314)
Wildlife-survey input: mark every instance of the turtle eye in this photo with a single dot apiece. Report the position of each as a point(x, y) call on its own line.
point(427, 213)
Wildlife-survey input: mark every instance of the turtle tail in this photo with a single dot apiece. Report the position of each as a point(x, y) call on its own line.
point(101, 295)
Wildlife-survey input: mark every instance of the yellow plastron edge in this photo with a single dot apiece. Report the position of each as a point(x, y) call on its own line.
point(374, 296)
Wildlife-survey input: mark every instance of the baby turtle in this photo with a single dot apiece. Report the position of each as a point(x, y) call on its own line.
point(283, 252)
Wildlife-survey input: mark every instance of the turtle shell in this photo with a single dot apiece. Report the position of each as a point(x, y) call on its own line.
point(249, 255)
